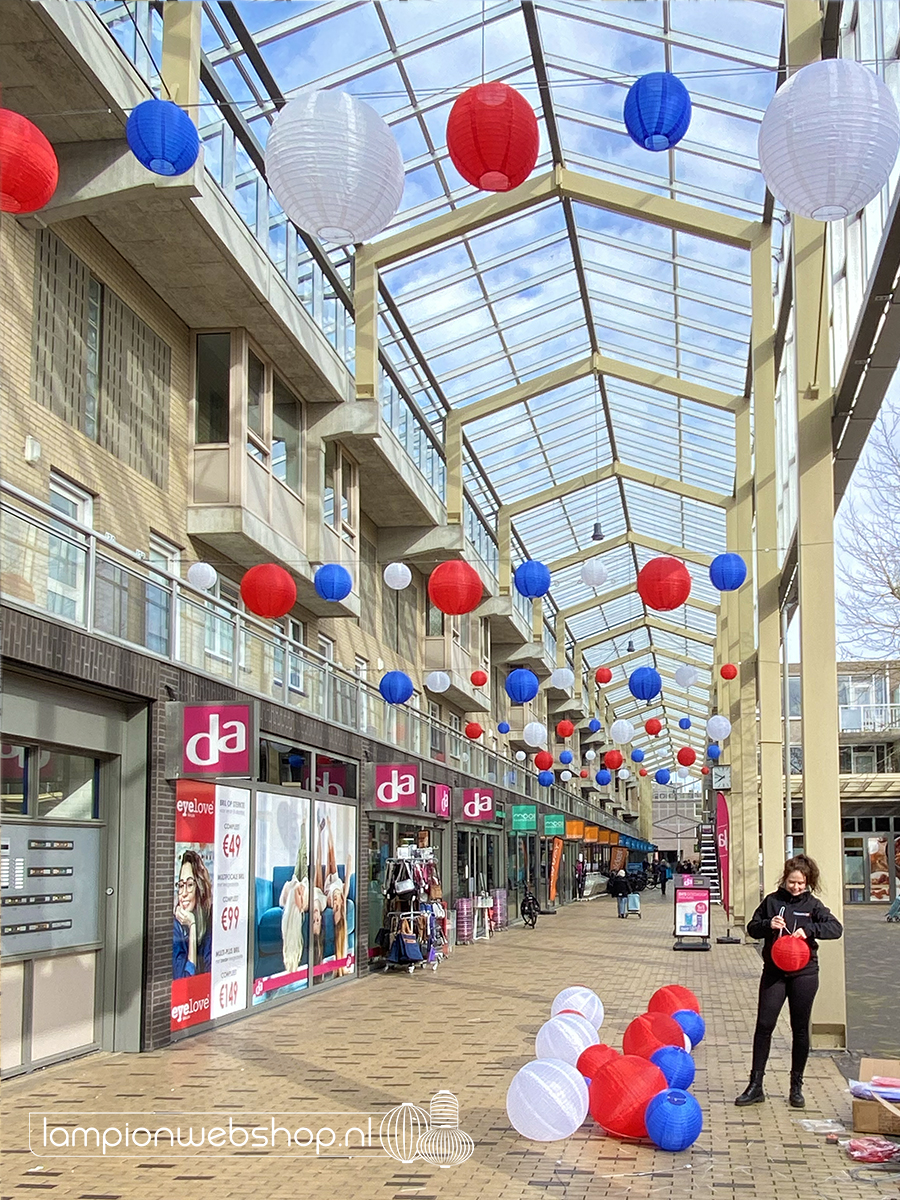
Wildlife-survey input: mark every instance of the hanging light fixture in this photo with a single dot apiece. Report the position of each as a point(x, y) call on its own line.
point(597, 535)
point(630, 649)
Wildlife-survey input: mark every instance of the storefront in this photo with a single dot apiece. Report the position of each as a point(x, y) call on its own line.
point(871, 853)
point(522, 856)
point(479, 849)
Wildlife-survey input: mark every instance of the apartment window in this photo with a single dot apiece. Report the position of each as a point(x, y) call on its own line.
point(455, 740)
point(325, 647)
point(165, 555)
point(340, 507)
point(434, 620)
point(399, 612)
point(256, 394)
point(41, 782)
point(287, 424)
point(67, 550)
point(794, 696)
point(219, 637)
point(368, 585)
point(213, 387)
point(462, 631)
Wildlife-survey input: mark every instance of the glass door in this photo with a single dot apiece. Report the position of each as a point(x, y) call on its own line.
point(854, 871)
point(879, 870)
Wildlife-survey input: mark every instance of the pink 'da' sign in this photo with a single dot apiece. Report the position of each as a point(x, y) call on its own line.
point(478, 804)
point(397, 785)
point(441, 800)
point(216, 739)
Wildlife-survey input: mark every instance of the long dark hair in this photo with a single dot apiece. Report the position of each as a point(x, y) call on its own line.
point(203, 884)
point(806, 866)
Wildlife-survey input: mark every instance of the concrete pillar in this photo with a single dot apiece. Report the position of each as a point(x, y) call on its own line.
point(180, 66)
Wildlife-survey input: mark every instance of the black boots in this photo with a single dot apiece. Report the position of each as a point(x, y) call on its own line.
point(795, 1096)
point(753, 1094)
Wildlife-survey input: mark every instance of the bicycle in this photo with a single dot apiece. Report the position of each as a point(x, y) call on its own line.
point(529, 908)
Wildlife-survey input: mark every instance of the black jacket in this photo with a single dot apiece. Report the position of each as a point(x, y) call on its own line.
point(619, 886)
point(805, 911)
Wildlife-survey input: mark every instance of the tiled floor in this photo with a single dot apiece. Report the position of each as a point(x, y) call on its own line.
point(873, 976)
point(368, 1046)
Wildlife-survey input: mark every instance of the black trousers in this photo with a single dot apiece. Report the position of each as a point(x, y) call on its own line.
point(799, 991)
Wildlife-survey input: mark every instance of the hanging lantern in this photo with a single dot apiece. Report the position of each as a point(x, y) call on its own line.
point(613, 759)
point(564, 729)
point(713, 752)
point(535, 734)
point(566, 756)
point(687, 756)
point(546, 778)
point(643, 773)
point(704, 770)
point(594, 725)
point(396, 687)
point(268, 590)
point(521, 685)
point(437, 681)
point(532, 579)
point(664, 583)
point(478, 678)
point(455, 587)
point(828, 140)
point(603, 675)
point(334, 167)
point(662, 776)
point(684, 723)
point(718, 728)
point(473, 731)
point(728, 671)
point(653, 726)
point(29, 171)
point(603, 777)
point(397, 576)
point(590, 755)
point(685, 676)
point(562, 678)
point(727, 572)
point(593, 573)
point(584, 773)
point(333, 582)
point(492, 137)
point(657, 111)
point(162, 137)
point(637, 755)
point(503, 727)
point(565, 776)
point(543, 760)
point(202, 576)
point(644, 683)
point(623, 773)
point(521, 756)
point(683, 772)
point(621, 732)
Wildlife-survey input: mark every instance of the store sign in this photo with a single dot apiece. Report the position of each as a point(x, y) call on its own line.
point(440, 799)
point(335, 777)
point(554, 824)
point(618, 859)
point(524, 816)
point(213, 740)
point(575, 829)
point(397, 785)
point(691, 912)
point(591, 833)
point(478, 804)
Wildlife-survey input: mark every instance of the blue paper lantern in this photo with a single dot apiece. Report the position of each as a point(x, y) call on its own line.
point(662, 776)
point(162, 137)
point(637, 755)
point(545, 778)
point(694, 1026)
point(674, 1119)
point(566, 756)
point(532, 579)
point(713, 752)
point(594, 725)
point(684, 723)
point(332, 582)
point(657, 111)
point(727, 572)
point(644, 683)
point(676, 1064)
point(503, 727)
point(603, 777)
point(396, 687)
point(521, 685)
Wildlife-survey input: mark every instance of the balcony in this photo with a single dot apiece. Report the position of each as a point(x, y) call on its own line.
point(869, 718)
point(445, 653)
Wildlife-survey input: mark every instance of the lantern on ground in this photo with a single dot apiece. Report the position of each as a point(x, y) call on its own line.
point(685, 676)
point(535, 734)
point(397, 576)
point(521, 685)
point(334, 166)
point(687, 756)
point(593, 573)
point(728, 671)
point(583, 1001)
point(268, 590)
point(547, 1100)
point(454, 587)
point(473, 731)
point(532, 579)
point(492, 137)
point(591, 1060)
point(562, 678)
point(437, 681)
point(478, 678)
point(673, 1119)
point(653, 726)
point(29, 171)
point(676, 1064)
point(333, 582)
point(718, 728)
point(564, 729)
point(612, 760)
point(673, 998)
point(693, 1025)
point(649, 1031)
point(543, 760)
point(162, 137)
point(202, 576)
point(621, 732)
point(727, 572)
point(620, 1092)
point(662, 776)
point(603, 675)
point(644, 683)
point(657, 111)
point(396, 687)
point(664, 583)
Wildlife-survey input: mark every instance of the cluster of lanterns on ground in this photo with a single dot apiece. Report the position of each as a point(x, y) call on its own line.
point(640, 1093)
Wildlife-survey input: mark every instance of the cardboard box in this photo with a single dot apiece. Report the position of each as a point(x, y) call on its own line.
point(871, 1116)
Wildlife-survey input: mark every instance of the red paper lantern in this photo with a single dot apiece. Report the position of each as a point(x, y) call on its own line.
point(620, 1092)
point(672, 999)
point(642, 772)
point(653, 726)
point(565, 729)
point(613, 759)
point(269, 591)
point(492, 137)
point(543, 760)
point(479, 678)
point(29, 171)
point(591, 1060)
point(704, 770)
point(584, 773)
point(664, 583)
point(729, 671)
point(603, 674)
point(455, 588)
point(790, 953)
point(686, 756)
point(474, 730)
point(649, 1031)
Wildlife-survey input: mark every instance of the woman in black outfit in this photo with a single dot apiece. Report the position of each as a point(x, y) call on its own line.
point(794, 909)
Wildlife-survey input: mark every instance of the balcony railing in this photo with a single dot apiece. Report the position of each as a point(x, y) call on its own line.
point(869, 718)
point(56, 567)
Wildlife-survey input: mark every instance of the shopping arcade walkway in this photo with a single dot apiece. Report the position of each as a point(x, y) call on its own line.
point(371, 1045)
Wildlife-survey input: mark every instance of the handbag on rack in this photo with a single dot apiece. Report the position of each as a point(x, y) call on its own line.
point(404, 884)
point(435, 891)
point(405, 947)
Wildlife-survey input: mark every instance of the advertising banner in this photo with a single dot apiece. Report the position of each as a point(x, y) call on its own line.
point(478, 804)
point(575, 829)
point(554, 824)
point(692, 912)
point(524, 816)
point(440, 800)
point(334, 891)
point(555, 860)
point(618, 859)
point(722, 840)
point(209, 946)
point(397, 785)
point(592, 833)
point(281, 936)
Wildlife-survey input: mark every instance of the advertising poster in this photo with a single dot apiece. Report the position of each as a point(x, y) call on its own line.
point(555, 860)
point(333, 898)
point(209, 943)
point(691, 912)
point(281, 937)
point(618, 859)
point(722, 845)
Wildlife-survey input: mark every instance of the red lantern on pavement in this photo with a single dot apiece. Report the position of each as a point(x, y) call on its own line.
point(790, 953)
point(673, 998)
point(620, 1092)
point(455, 587)
point(653, 726)
point(543, 760)
point(686, 756)
point(642, 772)
point(664, 583)
point(584, 773)
point(603, 675)
point(649, 1031)
point(565, 729)
point(474, 731)
point(728, 671)
point(591, 1060)
point(613, 759)
point(479, 678)
point(268, 590)
point(29, 171)
point(492, 137)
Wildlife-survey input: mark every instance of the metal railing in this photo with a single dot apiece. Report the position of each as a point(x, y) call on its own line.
point(869, 718)
point(56, 567)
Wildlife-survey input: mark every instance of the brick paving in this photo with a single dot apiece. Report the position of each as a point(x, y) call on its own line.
point(873, 975)
point(370, 1045)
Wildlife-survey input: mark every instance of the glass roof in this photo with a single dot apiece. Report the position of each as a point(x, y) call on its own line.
point(546, 287)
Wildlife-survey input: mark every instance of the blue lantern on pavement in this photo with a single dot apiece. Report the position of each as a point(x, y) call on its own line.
point(532, 579)
point(662, 776)
point(644, 683)
point(727, 572)
point(657, 111)
point(521, 685)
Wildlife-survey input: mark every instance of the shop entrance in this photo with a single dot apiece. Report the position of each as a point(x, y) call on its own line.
point(477, 862)
point(871, 868)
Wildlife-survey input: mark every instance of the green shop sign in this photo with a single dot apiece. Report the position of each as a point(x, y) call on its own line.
point(554, 825)
point(524, 816)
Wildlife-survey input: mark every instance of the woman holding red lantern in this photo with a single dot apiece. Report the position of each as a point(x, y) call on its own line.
point(791, 920)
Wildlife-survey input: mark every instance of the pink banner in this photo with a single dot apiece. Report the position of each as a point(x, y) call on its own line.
point(722, 835)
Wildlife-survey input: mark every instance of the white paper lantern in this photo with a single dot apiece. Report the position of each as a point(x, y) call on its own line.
point(521, 756)
point(590, 755)
point(623, 773)
point(397, 576)
point(562, 678)
point(684, 772)
point(593, 573)
point(565, 1037)
point(565, 776)
point(688, 1044)
point(437, 681)
point(583, 1000)
point(718, 728)
point(535, 734)
point(829, 139)
point(621, 732)
point(201, 575)
point(547, 1100)
point(685, 676)
point(334, 166)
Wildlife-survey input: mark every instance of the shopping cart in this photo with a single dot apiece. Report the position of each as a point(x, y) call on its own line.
point(893, 913)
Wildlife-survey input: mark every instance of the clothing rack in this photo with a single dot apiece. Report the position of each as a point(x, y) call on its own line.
point(413, 903)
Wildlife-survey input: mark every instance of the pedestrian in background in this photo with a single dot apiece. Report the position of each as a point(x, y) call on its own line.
point(620, 888)
point(661, 871)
